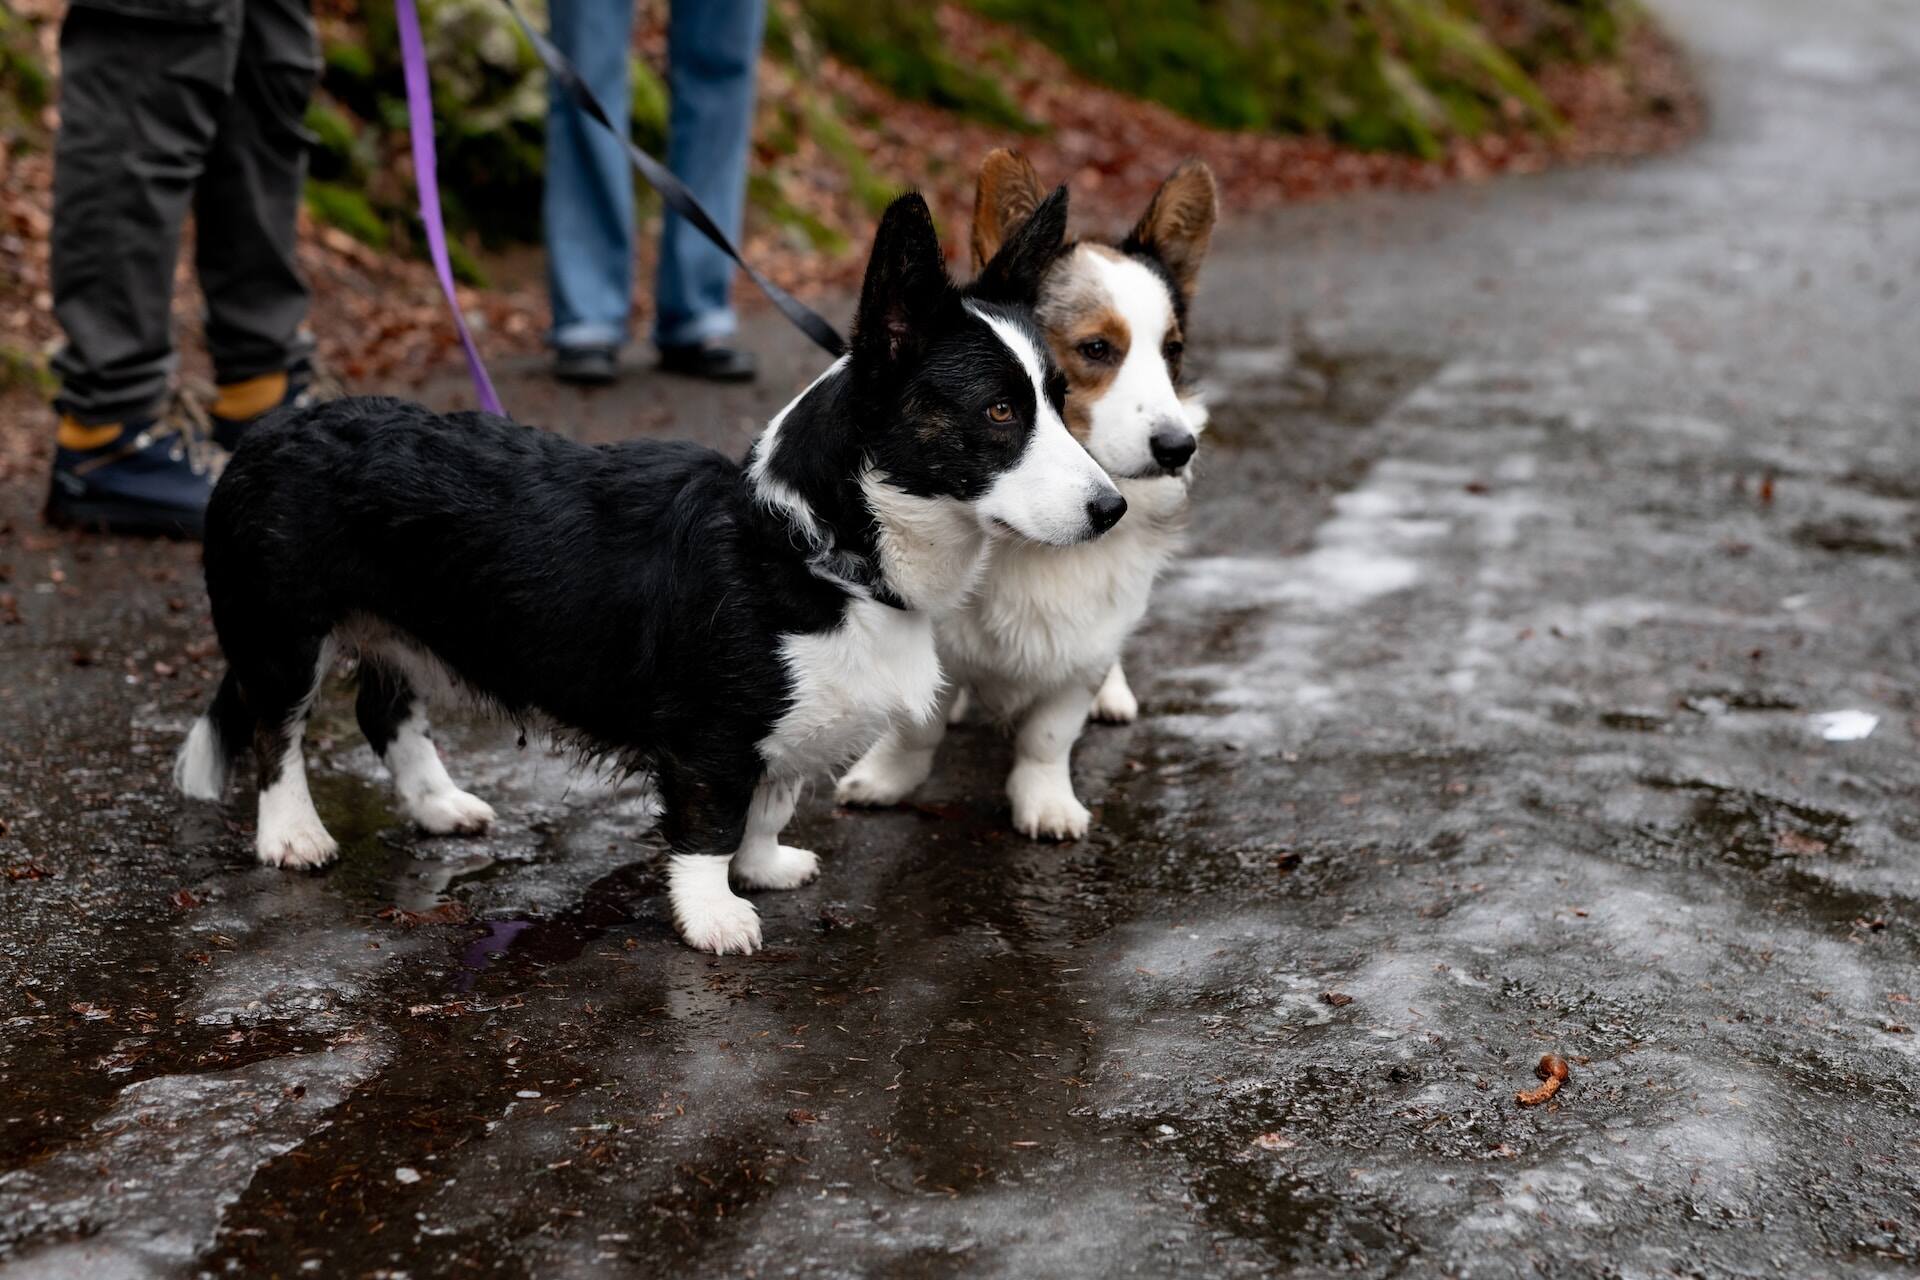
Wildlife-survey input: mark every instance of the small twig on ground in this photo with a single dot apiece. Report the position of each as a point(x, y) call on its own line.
point(1553, 1070)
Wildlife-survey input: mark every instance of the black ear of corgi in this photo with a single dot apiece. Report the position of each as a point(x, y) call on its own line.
point(1178, 224)
point(1013, 274)
point(1007, 194)
point(906, 289)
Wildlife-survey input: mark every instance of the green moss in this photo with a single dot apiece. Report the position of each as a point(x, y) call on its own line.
point(779, 133)
point(780, 39)
point(1458, 56)
point(764, 193)
point(24, 369)
point(1377, 74)
point(25, 86)
point(898, 43)
point(829, 132)
point(1185, 53)
point(1572, 30)
point(466, 268)
point(347, 209)
point(336, 151)
point(648, 105)
point(348, 62)
point(489, 102)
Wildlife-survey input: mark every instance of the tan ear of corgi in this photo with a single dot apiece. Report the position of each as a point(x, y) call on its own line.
point(1178, 223)
point(1008, 193)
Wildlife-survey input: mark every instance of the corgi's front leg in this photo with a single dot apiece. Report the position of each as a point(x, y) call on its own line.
point(899, 762)
point(762, 862)
point(1041, 784)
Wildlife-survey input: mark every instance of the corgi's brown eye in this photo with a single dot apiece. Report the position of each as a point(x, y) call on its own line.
point(1096, 349)
point(1001, 413)
point(1174, 350)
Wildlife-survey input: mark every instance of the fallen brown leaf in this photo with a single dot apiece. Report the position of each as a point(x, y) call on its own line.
point(1552, 1069)
point(1796, 845)
point(445, 913)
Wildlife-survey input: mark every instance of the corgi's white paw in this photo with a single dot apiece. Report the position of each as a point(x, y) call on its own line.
point(296, 843)
point(783, 867)
point(1115, 704)
point(728, 926)
point(1044, 806)
point(710, 916)
point(883, 777)
point(451, 813)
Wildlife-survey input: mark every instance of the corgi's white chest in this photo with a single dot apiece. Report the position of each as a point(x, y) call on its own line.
point(878, 667)
point(1046, 617)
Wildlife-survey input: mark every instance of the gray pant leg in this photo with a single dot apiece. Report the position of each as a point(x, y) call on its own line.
point(141, 101)
point(249, 197)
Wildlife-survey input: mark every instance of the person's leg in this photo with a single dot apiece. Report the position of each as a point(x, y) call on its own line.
point(140, 103)
point(713, 48)
point(141, 100)
point(588, 203)
point(246, 209)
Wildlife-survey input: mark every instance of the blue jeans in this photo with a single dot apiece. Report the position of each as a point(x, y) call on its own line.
point(713, 47)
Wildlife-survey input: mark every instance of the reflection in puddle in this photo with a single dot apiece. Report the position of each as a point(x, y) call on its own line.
point(1844, 726)
point(488, 947)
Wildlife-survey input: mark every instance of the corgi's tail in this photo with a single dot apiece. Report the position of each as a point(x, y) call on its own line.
point(216, 740)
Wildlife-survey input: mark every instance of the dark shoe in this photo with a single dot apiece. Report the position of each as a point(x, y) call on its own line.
point(594, 366)
point(149, 477)
point(239, 405)
point(715, 364)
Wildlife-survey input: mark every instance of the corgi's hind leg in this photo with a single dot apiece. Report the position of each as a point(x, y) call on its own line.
point(280, 685)
point(394, 718)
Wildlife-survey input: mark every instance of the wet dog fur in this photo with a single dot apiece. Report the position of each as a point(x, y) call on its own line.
point(731, 627)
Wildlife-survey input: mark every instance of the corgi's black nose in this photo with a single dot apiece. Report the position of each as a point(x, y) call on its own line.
point(1172, 446)
point(1105, 510)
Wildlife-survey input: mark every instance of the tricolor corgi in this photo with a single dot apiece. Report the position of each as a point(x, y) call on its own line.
point(1038, 644)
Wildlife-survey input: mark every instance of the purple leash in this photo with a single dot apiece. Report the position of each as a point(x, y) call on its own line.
point(413, 62)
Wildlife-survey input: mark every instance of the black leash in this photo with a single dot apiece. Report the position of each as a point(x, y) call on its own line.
point(674, 191)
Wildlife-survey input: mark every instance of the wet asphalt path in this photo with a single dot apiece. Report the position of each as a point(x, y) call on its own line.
point(1539, 526)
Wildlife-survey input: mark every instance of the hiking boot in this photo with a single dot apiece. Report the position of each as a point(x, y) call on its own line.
point(238, 405)
point(710, 363)
point(149, 476)
point(587, 365)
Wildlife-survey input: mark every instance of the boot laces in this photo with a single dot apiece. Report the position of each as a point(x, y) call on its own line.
point(191, 427)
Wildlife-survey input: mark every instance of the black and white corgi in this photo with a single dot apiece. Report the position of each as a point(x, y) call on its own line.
point(1038, 644)
point(730, 627)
